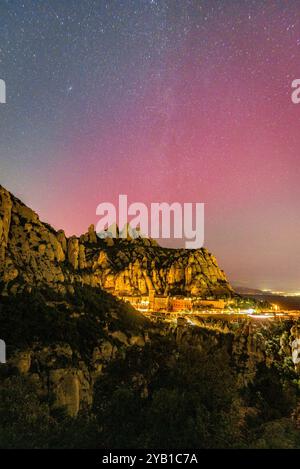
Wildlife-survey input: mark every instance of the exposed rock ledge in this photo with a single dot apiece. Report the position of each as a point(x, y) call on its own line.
point(33, 253)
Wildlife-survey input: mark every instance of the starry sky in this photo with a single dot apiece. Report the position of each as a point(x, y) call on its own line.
point(163, 100)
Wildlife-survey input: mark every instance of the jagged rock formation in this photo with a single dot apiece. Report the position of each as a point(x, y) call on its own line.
point(68, 371)
point(33, 256)
point(64, 342)
point(64, 336)
point(33, 253)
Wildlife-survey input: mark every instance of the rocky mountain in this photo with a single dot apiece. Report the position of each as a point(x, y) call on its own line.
point(84, 369)
point(58, 318)
point(33, 253)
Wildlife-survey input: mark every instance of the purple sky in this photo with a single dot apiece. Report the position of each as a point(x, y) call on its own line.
point(164, 101)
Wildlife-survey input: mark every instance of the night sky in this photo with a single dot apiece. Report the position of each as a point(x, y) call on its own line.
point(184, 101)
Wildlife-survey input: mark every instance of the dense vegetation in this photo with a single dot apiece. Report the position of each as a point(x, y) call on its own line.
point(78, 319)
point(164, 395)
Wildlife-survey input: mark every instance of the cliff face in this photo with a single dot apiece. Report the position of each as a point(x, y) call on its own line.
point(33, 253)
point(66, 347)
point(65, 336)
point(64, 342)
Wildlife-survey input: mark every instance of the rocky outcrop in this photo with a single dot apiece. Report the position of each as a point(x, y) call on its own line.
point(65, 370)
point(73, 252)
point(63, 376)
point(33, 253)
point(5, 219)
point(295, 346)
point(61, 372)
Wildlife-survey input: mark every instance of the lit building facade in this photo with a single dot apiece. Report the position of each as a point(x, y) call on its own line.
point(155, 302)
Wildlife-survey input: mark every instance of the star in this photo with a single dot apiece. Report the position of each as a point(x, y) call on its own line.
point(168, 93)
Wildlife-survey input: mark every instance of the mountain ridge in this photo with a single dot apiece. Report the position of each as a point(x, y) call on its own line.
point(32, 252)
